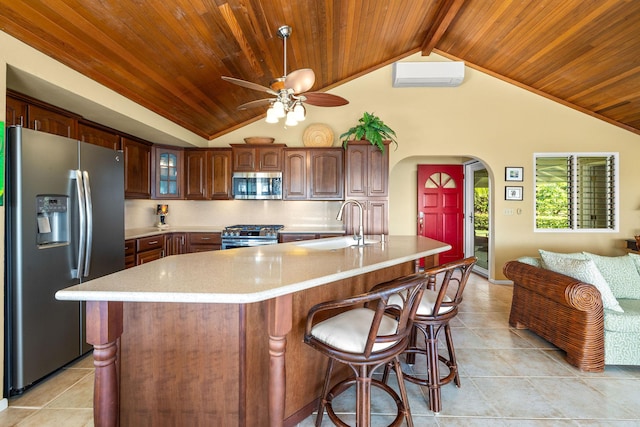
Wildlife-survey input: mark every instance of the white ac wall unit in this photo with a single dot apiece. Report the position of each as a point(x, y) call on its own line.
point(416, 74)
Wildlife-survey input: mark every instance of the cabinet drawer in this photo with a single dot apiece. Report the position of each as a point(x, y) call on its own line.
point(296, 237)
point(148, 243)
point(205, 238)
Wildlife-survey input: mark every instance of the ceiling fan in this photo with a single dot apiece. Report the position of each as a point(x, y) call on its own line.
point(289, 91)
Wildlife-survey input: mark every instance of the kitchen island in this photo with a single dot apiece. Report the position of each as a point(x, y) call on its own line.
point(215, 338)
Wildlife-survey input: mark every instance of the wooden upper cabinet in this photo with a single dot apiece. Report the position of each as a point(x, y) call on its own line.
point(313, 174)
point(98, 136)
point(251, 158)
point(326, 174)
point(137, 165)
point(294, 175)
point(167, 173)
point(367, 173)
point(208, 174)
point(195, 175)
point(49, 121)
point(219, 173)
point(16, 112)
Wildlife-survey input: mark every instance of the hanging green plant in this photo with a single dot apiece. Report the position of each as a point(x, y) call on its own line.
point(372, 129)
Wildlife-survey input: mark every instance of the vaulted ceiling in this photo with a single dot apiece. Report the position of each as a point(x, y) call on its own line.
point(170, 55)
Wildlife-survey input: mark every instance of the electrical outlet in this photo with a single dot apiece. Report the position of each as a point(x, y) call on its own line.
point(508, 211)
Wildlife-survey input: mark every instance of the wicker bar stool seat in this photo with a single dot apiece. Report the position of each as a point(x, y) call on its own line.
point(439, 304)
point(370, 331)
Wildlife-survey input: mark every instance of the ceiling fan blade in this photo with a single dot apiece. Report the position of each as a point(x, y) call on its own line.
point(300, 80)
point(256, 103)
point(248, 85)
point(320, 99)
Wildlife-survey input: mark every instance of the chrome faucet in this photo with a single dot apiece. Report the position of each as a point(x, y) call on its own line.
point(360, 236)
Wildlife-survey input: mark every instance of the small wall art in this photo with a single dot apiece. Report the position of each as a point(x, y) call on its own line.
point(513, 193)
point(513, 173)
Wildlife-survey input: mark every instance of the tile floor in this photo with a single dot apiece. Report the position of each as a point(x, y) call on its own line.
point(509, 378)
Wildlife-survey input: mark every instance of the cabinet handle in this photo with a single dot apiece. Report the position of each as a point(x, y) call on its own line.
point(205, 238)
point(36, 124)
point(152, 243)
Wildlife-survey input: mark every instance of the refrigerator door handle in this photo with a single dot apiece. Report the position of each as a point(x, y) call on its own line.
point(89, 215)
point(77, 176)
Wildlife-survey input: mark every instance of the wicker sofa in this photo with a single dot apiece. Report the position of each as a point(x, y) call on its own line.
point(562, 310)
point(569, 313)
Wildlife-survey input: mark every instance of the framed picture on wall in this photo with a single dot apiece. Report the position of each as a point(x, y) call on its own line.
point(513, 193)
point(513, 173)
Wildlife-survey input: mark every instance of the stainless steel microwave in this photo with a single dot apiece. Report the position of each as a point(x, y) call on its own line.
point(257, 185)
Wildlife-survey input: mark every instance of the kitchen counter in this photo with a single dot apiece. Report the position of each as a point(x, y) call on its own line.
point(248, 274)
point(207, 335)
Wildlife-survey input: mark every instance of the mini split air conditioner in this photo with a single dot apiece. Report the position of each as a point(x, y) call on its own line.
point(416, 74)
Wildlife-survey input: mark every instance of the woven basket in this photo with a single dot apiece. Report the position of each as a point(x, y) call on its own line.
point(317, 135)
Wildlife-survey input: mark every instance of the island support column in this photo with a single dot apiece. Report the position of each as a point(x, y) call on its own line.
point(280, 312)
point(104, 328)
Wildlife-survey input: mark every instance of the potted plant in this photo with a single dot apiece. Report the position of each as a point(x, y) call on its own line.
point(372, 129)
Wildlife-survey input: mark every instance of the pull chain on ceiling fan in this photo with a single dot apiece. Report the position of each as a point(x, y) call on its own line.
point(290, 91)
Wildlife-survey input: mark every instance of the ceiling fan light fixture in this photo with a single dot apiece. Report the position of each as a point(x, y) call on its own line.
point(289, 91)
point(299, 112)
point(271, 116)
point(278, 108)
point(291, 120)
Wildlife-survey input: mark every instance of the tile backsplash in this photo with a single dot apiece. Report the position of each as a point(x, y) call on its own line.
point(141, 213)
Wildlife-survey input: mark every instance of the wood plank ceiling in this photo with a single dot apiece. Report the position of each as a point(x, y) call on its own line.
point(170, 55)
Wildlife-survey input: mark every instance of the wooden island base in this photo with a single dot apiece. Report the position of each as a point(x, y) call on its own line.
point(190, 364)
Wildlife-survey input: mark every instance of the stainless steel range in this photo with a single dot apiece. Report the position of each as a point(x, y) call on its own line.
point(244, 235)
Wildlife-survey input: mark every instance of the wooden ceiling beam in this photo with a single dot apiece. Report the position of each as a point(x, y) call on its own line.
point(444, 16)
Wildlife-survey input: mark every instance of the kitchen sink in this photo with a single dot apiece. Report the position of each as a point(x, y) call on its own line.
point(333, 244)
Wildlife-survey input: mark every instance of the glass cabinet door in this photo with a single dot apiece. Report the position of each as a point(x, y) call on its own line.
point(168, 173)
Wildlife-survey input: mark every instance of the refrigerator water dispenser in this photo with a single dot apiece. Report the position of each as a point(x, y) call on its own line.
point(52, 220)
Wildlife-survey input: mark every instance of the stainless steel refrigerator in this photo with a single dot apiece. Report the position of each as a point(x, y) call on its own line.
point(64, 225)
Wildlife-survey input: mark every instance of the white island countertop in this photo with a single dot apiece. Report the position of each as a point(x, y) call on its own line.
point(246, 275)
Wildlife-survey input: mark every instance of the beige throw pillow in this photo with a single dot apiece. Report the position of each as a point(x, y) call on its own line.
point(584, 270)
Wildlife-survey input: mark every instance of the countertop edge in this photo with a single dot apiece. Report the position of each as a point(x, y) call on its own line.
point(235, 298)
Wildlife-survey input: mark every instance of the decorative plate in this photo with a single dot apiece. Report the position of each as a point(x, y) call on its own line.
point(259, 140)
point(317, 135)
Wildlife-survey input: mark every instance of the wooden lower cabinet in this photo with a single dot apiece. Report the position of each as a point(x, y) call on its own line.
point(149, 248)
point(129, 253)
point(203, 242)
point(175, 244)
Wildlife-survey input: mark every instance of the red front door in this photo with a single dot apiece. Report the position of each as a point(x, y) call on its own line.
point(441, 208)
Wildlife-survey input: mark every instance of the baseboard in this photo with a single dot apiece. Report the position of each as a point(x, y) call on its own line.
point(4, 404)
point(501, 282)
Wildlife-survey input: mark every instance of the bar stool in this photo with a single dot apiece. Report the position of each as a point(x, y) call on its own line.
point(371, 330)
point(436, 309)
